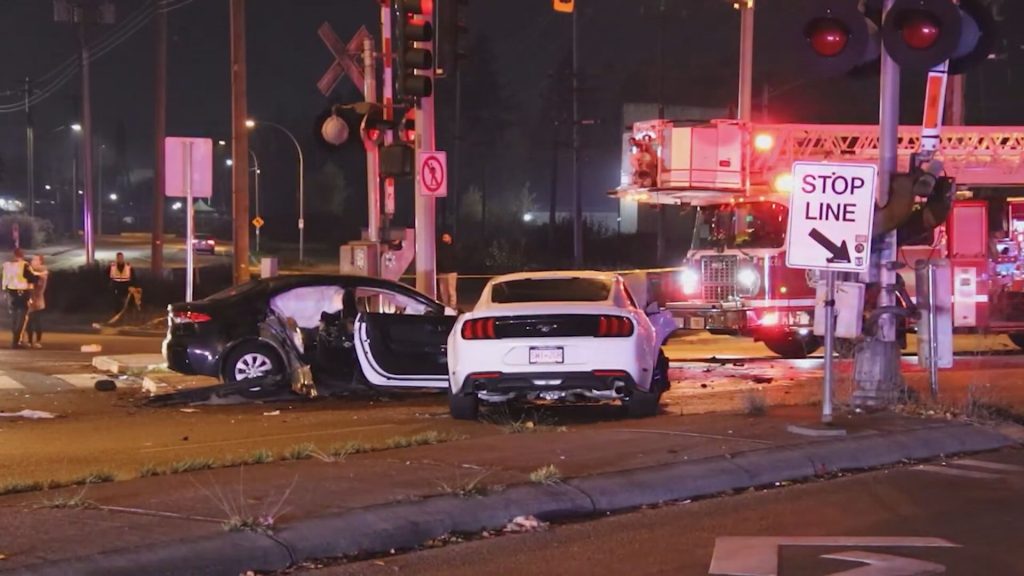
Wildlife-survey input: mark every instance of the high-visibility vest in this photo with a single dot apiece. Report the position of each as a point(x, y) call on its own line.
point(124, 275)
point(14, 276)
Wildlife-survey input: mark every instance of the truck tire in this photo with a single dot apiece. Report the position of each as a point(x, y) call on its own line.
point(793, 346)
point(1017, 338)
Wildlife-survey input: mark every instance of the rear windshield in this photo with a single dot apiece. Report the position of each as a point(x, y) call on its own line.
point(551, 290)
point(236, 290)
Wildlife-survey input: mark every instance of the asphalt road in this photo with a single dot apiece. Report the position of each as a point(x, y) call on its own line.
point(962, 518)
point(114, 431)
point(136, 250)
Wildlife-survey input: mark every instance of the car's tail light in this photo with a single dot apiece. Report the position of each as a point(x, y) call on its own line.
point(614, 327)
point(189, 317)
point(479, 329)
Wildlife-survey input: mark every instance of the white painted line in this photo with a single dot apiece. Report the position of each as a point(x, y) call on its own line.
point(8, 383)
point(80, 380)
point(958, 472)
point(989, 465)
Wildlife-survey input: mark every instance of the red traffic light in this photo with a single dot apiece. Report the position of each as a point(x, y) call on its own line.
point(831, 37)
point(828, 37)
point(920, 31)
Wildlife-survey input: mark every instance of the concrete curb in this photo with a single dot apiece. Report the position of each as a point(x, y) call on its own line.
point(406, 525)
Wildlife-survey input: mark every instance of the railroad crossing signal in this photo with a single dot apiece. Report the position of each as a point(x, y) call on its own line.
point(343, 62)
point(257, 222)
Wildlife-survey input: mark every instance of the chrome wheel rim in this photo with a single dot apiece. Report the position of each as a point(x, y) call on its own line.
point(253, 365)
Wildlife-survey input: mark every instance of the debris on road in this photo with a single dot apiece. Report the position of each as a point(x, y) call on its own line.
point(188, 410)
point(29, 414)
point(762, 379)
point(105, 385)
point(521, 524)
point(91, 348)
point(272, 413)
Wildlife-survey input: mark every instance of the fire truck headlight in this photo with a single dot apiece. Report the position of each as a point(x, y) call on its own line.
point(748, 281)
point(690, 281)
point(770, 319)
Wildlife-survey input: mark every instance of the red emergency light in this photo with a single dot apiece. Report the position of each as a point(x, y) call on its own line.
point(828, 37)
point(920, 31)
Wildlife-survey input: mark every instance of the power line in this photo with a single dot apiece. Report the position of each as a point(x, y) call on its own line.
point(63, 73)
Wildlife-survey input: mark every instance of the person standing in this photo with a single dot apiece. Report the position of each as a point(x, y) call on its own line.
point(37, 303)
point(17, 284)
point(122, 278)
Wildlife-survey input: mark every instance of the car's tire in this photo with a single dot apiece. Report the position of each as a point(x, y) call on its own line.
point(793, 346)
point(1017, 338)
point(659, 379)
point(251, 360)
point(643, 404)
point(463, 406)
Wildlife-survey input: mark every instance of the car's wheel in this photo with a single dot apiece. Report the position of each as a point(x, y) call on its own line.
point(463, 406)
point(793, 346)
point(254, 360)
point(659, 379)
point(1017, 338)
point(643, 404)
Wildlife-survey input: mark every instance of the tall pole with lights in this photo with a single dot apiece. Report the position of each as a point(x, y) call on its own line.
point(302, 195)
point(239, 143)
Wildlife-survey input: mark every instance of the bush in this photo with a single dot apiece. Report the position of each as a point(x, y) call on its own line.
point(86, 289)
point(32, 232)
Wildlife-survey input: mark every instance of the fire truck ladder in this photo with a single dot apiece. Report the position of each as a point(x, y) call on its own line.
point(989, 156)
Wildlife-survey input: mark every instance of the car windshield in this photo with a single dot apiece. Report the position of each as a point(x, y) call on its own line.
point(743, 226)
point(551, 290)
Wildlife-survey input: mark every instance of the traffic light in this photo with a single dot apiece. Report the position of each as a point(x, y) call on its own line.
point(374, 126)
point(396, 161)
point(450, 22)
point(415, 63)
point(920, 34)
point(834, 37)
point(407, 127)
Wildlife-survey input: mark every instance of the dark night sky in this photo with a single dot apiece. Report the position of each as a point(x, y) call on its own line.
point(286, 57)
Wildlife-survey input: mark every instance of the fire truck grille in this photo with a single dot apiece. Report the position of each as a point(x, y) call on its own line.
point(718, 277)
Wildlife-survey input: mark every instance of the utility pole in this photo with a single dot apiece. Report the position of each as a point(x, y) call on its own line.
point(660, 248)
point(159, 133)
point(577, 200)
point(87, 205)
point(877, 369)
point(425, 206)
point(239, 143)
point(30, 150)
point(389, 107)
point(746, 8)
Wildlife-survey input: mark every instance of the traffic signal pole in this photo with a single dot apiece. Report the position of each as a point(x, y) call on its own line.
point(577, 200)
point(372, 150)
point(425, 206)
point(877, 362)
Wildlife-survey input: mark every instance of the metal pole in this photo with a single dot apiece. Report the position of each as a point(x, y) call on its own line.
point(877, 363)
point(30, 151)
point(746, 8)
point(425, 206)
point(933, 334)
point(389, 112)
point(159, 133)
point(190, 252)
point(830, 337)
point(99, 195)
point(87, 206)
point(577, 200)
point(302, 194)
point(372, 150)
point(239, 144)
point(256, 166)
point(74, 193)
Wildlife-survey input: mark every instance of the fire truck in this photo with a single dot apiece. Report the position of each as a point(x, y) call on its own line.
point(736, 176)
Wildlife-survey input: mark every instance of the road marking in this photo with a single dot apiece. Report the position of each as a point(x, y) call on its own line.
point(990, 465)
point(886, 565)
point(80, 380)
point(759, 555)
point(8, 383)
point(957, 472)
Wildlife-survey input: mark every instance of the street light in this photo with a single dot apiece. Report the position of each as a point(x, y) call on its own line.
point(76, 127)
point(113, 197)
point(256, 169)
point(250, 123)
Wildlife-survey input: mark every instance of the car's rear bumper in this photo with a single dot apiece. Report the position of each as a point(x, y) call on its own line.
point(184, 358)
point(610, 383)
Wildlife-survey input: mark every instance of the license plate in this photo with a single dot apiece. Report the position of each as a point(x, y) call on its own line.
point(697, 323)
point(547, 355)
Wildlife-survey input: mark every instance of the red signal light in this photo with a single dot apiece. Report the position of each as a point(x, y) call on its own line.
point(828, 37)
point(920, 31)
point(372, 134)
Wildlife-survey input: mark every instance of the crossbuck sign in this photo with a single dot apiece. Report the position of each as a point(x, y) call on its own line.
point(831, 210)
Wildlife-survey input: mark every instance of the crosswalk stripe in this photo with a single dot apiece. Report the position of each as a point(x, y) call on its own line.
point(80, 380)
point(8, 383)
point(990, 465)
point(958, 472)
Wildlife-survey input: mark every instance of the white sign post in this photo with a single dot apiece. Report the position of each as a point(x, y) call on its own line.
point(831, 211)
point(433, 173)
point(189, 169)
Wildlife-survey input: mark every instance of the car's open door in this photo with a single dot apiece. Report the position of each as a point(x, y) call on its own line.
point(405, 350)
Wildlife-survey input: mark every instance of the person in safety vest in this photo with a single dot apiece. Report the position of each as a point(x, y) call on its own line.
point(18, 279)
point(122, 279)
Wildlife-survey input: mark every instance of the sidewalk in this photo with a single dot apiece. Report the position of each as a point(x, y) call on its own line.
point(400, 498)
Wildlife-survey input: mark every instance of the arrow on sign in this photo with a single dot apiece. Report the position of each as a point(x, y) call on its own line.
point(840, 254)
